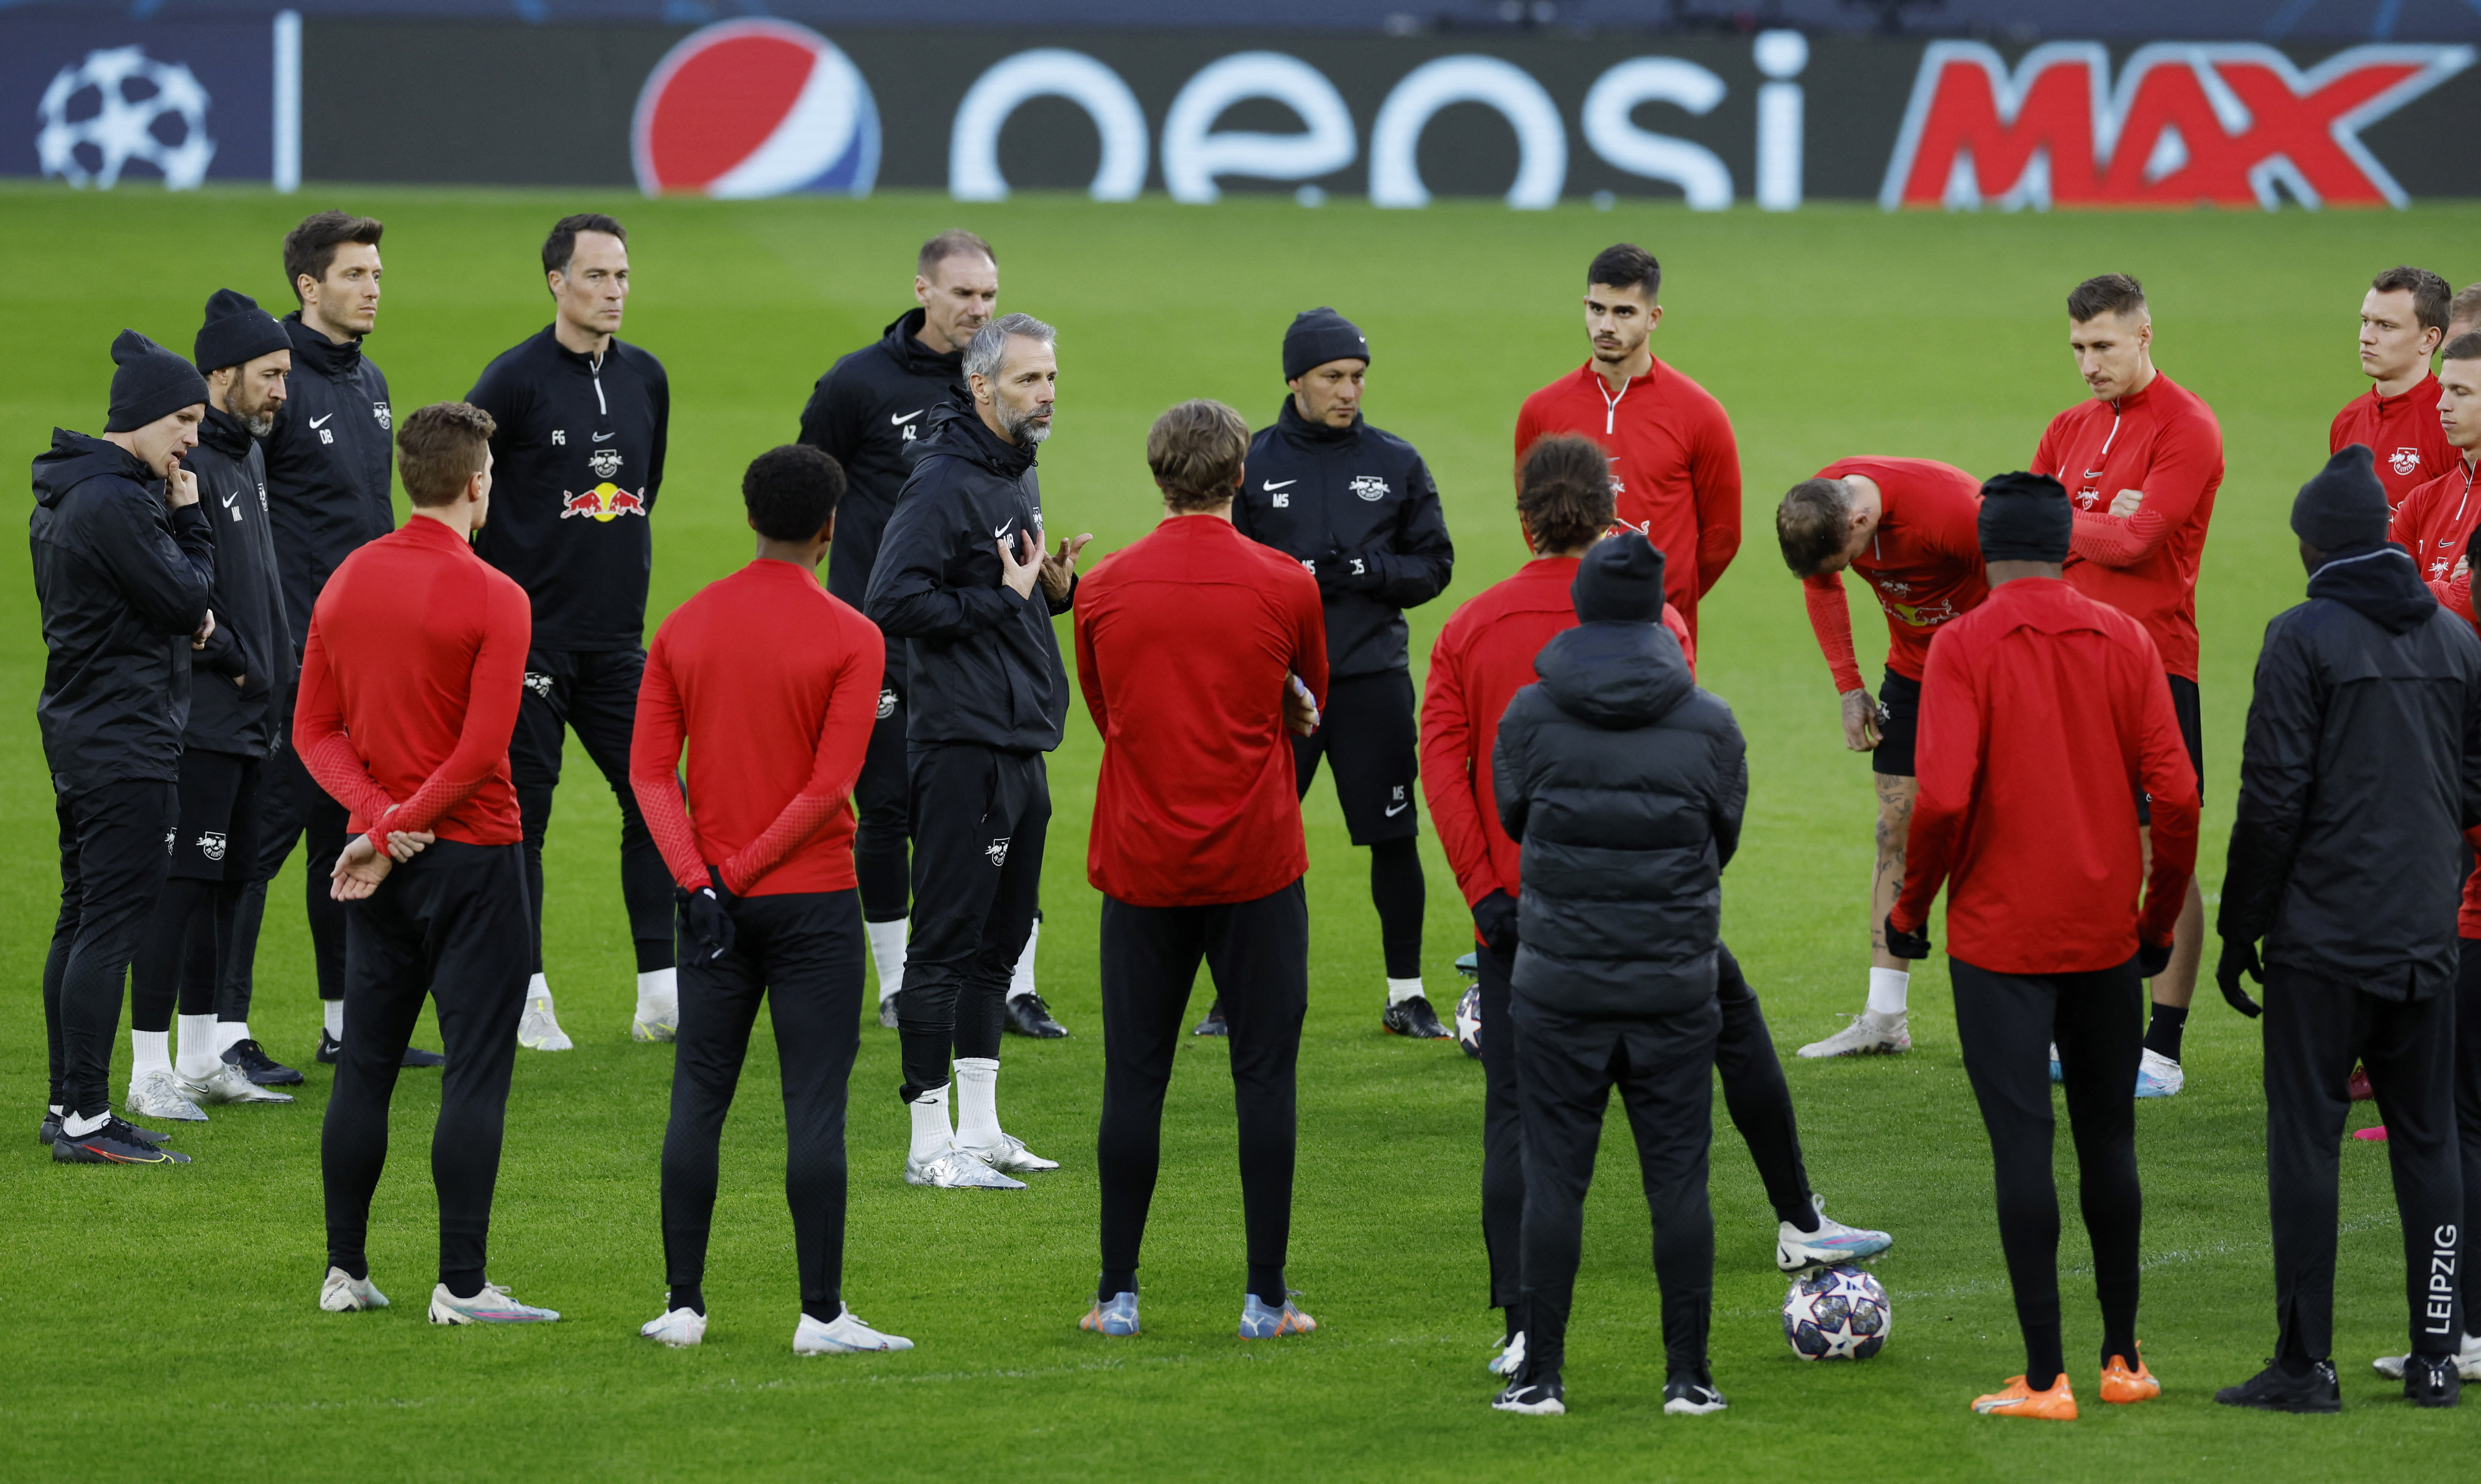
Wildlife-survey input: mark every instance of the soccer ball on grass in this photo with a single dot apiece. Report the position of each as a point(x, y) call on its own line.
point(1840, 1314)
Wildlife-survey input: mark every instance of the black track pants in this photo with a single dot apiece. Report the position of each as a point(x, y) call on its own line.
point(1753, 1092)
point(979, 817)
point(291, 807)
point(2006, 1024)
point(802, 954)
point(1258, 953)
point(113, 859)
point(2316, 1028)
point(450, 925)
point(594, 694)
point(1664, 1071)
point(883, 815)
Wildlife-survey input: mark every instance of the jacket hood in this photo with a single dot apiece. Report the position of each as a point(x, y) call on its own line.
point(74, 458)
point(959, 430)
point(1300, 430)
point(224, 432)
point(320, 354)
point(2380, 584)
point(902, 341)
point(1616, 676)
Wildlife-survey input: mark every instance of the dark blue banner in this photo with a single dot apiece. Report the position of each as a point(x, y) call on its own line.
point(104, 100)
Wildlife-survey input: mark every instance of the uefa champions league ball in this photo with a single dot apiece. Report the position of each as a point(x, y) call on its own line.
point(1469, 1021)
point(1837, 1314)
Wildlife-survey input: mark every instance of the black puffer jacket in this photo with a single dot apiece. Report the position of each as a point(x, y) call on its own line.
point(984, 662)
point(124, 581)
point(1624, 784)
point(2361, 770)
point(252, 641)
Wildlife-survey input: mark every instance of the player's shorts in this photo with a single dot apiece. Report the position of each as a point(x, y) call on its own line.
point(2192, 731)
point(1366, 736)
point(217, 838)
point(1900, 724)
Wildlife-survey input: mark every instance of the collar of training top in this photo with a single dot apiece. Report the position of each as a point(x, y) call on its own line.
point(904, 341)
point(1300, 430)
point(962, 431)
point(224, 432)
point(321, 353)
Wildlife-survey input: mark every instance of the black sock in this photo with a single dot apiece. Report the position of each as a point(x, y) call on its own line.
point(1115, 1282)
point(2043, 1358)
point(464, 1285)
point(1266, 1286)
point(653, 954)
point(2162, 1036)
point(692, 1296)
point(1515, 1323)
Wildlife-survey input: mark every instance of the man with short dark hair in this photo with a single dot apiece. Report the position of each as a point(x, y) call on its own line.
point(1906, 526)
point(1197, 845)
point(2434, 522)
point(868, 412)
point(2361, 771)
point(955, 580)
point(1357, 508)
point(2141, 460)
point(2403, 322)
point(775, 732)
point(240, 681)
point(328, 459)
point(1675, 465)
point(2463, 313)
point(404, 719)
point(583, 418)
point(123, 568)
point(2039, 710)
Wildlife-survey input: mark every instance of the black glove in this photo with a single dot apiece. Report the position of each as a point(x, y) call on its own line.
point(1328, 569)
point(1495, 918)
point(2239, 958)
point(708, 910)
point(2151, 961)
point(1907, 945)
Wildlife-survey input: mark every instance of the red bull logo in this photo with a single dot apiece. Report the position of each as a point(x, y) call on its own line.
point(2233, 124)
point(603, 502)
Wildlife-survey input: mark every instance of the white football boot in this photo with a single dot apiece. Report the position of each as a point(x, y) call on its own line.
point(844, 1335)
point(228, 1084)
point(679, 1328)
point(160, 1095)
point(1871, 1035)
point(953, 1169)
point(343, 1294)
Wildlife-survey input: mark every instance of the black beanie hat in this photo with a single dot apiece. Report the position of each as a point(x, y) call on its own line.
point(2344, 505)
point(1318, 336)
point(1619, 580)
point(2025, 517)
point(151, 382)
point(237, 332)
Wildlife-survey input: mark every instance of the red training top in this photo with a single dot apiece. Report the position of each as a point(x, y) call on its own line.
point(2162, 440)
point(2434, 522)
point(1675, 467)
point(774, 685)
point(1186, 644)
point(2403, 431)
point(1482, 657)
point(410, 680)
point(2043, 714)
point(1924, 563)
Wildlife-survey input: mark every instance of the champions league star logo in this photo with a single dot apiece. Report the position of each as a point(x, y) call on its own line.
point(211, 845)
point(122, 101)
point(605, 462)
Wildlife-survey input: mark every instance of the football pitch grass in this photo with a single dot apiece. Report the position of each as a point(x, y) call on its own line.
point(162, 1320)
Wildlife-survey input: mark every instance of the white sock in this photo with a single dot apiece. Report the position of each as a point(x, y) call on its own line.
point(1888, 988)
point(201, 1055)
point(150, 1050)
point(55, 1110)
point(76, 1127)
point(1021, 982)
point(230, 1034)
point(931, 1131)
point(887, 951)
point(659, 995)
point(334, 1012)
point(538, 990)
point(977, 1100)
point(1400, 990)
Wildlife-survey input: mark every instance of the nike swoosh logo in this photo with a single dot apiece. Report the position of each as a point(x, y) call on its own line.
point(316, 421)
point(1400, 809)
point(1002, 531)
point(599, 437)
point(1271, 485)
point(229, 499)
point(906, 418)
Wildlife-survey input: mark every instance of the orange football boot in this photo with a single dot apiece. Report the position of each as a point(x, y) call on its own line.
point(2122, 1386)
point(2058, 1404)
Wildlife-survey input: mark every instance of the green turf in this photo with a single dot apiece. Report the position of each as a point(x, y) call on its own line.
point(162, 1322)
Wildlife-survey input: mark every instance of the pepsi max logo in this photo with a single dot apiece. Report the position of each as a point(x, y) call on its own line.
point(751, 108)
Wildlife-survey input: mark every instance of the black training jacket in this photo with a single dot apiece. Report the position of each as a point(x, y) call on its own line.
point(984, 663)
point(2360, 772)
point(123, 581)
point(1623, 783)
point(328, 465)
point(1364, 499)
point(871, 413)
point(579, 459)
point(252, 640)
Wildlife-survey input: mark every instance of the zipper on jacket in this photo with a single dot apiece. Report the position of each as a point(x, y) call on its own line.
point(1611, 403)
point(595, 371)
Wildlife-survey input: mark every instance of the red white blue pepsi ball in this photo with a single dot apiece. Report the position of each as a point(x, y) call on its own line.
point(1469, 1021)
point(1839, 1313)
